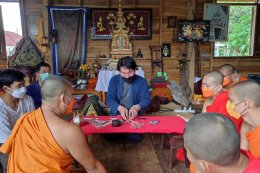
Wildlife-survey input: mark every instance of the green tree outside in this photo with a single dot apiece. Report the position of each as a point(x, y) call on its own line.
point(239, 32)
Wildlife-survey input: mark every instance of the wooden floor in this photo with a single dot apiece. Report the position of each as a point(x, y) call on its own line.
point(163, 156)
point(143, 157)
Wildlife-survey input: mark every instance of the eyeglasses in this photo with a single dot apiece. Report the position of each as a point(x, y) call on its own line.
point(239, 103)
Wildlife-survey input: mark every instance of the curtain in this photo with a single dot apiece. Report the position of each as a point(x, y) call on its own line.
point(68, 35)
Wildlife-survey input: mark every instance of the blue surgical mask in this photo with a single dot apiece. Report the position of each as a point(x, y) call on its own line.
point(19, 92)
point(44, 76)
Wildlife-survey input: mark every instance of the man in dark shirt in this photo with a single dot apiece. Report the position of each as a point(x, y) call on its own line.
point(128, 94)
point(34, 90)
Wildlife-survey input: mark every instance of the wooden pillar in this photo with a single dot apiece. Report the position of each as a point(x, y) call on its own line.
point(191, 46)
point(211, 57)
point(23, 18)
point(48, 55)
point(161, 16)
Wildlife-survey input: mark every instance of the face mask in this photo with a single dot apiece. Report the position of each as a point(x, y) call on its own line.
point(239, 104)
point(70, 106)
point(207, 92)
point(226, 81)
point(44, 76)
point(230, 109)
point(128, 80)
point(236, 80)
point(19, 93)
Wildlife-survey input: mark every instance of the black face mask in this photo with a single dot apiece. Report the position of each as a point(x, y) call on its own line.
point(129, 80)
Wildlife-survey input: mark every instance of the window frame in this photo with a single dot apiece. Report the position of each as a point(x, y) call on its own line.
point(256, 17)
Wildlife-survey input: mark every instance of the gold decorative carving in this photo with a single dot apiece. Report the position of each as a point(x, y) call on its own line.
point(120, 37)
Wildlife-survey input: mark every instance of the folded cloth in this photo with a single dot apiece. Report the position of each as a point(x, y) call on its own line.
point(33, 148)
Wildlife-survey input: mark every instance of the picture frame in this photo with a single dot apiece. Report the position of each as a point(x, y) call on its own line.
point(218, 14)
point(166, 50)
point(193, 31)
point(33, 26)
point(171, 21)
point(139, 22)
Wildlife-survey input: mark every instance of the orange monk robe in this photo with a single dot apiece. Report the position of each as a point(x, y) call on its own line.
point(241, 78)
point(253, 138)
point(33, 149)
point(219, 106)
point(192, 168)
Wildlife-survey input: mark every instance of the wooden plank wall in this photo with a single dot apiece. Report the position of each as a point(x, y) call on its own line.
point(160, 34)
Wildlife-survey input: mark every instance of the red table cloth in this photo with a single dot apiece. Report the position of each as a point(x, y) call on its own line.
point(150, 124)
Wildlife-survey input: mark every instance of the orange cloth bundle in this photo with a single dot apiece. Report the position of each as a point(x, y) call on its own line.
point(92, 81)
point(33, 149)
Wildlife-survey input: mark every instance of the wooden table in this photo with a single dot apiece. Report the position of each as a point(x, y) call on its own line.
point(150, 124)
point(88, 91)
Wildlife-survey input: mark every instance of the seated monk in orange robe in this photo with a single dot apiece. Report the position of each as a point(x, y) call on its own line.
point(227, 70)
point(43, 142)
point(220, 151)
point(217, 99)
point(236, 77)
point(246, 97)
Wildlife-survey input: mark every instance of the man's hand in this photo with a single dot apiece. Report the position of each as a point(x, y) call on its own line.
point(123, 112)
point(134, 111)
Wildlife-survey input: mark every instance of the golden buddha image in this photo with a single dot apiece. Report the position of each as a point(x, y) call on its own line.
point(141, 24)
point(100, 24)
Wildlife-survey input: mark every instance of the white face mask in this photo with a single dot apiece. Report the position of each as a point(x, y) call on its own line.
point(19, 93)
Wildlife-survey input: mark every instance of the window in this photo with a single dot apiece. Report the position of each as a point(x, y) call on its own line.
point(11, 23)
point(242, 17)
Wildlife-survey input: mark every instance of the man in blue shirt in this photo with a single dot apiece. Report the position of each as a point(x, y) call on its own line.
point(128, 94)
point(34, 90)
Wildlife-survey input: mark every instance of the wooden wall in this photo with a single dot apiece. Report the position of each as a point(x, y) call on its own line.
point(160, 34)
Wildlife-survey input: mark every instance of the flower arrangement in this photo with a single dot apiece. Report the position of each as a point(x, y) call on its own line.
point(84, 67)
point(84, 70)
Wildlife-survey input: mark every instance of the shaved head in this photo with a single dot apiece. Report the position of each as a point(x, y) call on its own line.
point(248, 89)
point(236, 70)
point(212, 137)
point(226, 69)
point(54, 86)
point(215, 77)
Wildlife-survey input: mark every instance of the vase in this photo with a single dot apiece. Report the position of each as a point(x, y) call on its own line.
point(87, 74)
point(82, 74)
